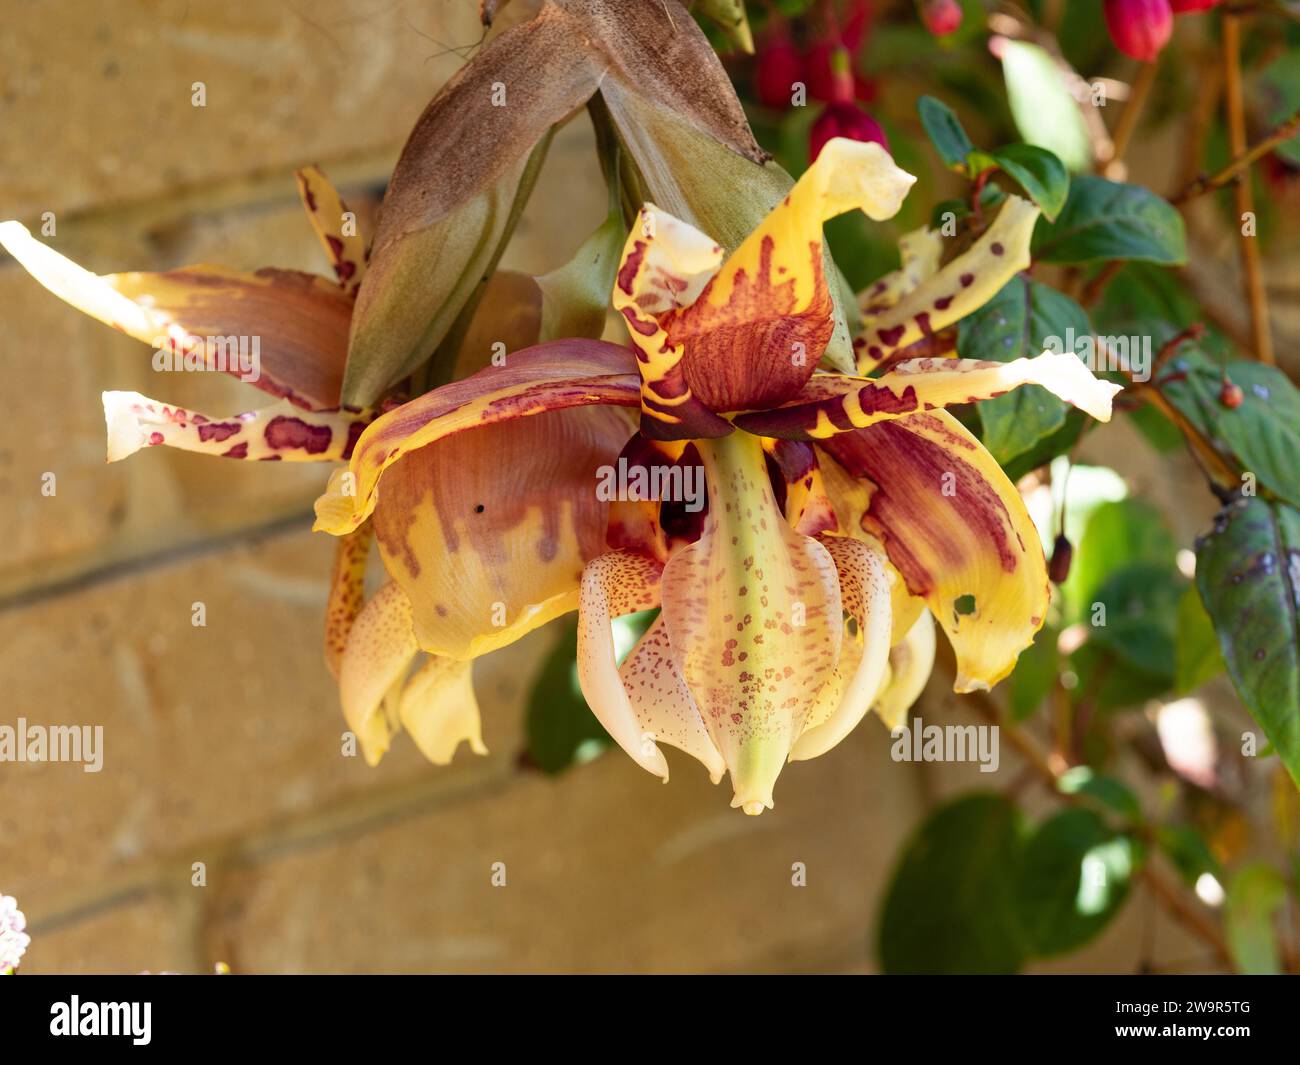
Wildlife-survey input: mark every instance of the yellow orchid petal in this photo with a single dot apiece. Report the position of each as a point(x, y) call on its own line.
point(347, 593)
point(753, 614)
point(832, 403)
point(439, 710)
point(757, 331)
point(213, 316)
point(920, 252)
point(488, 530)
point(617, 583)
point(548, 377)
point(850, 497)
point(865, 595)
point(335, 226)
point(379, 652)
point(966, 283)
point(662, 702)
point(910, 664)
point(666, 264)
point(280, 432)
point(958, 532)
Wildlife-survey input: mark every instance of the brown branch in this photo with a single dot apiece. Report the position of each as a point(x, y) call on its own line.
point(1243, 194)
point(1204, 184)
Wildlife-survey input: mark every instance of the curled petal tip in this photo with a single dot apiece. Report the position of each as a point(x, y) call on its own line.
point(964, 685)
point(753, 808)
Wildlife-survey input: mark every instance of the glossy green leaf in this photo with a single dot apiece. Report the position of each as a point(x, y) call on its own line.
point(1040, 173)
point(1074, 876)
point(950, 907)
point(945, 131)
point(1248, 574)
point(1021, 321)
point(1104, 220)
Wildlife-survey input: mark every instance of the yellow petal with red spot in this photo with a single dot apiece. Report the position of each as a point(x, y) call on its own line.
point(835, 403)
point(920, 252)
point(617, 583)
point(281, 331)
point(960, 287)
point(757, 331)
point(753, 614)
point(347, 593)
point(439, 710)
point(488, 530)
point(335, 226)
point(548, 377)
point(865, 595)
point(958, 532)
point(281, 432)
point(379, 652)
point(910, 664)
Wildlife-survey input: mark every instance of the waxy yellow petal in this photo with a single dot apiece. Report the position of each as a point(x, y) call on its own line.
point(910, 664)
point(958, 532)
point(920, 252)
point(488, 530)
point(335, 226)
point(753, 614)
point(758, 330)
point(439, 710)
point(379, 652)
point(548, 377)
point(865, 595)
point(833, 403)
point(347, 593)
point(300, 322)
point(617, 583)
point(281, 432)
point(965, 284)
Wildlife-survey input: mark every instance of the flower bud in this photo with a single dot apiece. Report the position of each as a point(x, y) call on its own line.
point(844, 120)
point(1062, 555)
point(778, 68)
point(941, 17)
point(1230, 395)
point(1140, 28)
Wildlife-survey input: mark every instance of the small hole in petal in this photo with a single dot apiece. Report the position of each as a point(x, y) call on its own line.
point(964, 604)
point(478, 509)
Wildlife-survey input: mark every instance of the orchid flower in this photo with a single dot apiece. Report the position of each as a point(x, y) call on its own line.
point(842, 510)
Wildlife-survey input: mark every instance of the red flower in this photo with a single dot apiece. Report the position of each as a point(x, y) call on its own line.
point(941, 17)
point(831, 77)
point(1140, 28)
point(844, 120)
point(1187, 7)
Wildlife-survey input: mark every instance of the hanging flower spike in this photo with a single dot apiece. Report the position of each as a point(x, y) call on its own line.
point(752, 662)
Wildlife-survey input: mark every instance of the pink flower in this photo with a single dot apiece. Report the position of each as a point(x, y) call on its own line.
point(844, 120)
point(1140, 28)
point(13, 940)
point(941, 17)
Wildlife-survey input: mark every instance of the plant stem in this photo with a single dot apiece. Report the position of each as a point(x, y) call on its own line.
point(1128, 119)
point(1284, 132)
point(1243, 194)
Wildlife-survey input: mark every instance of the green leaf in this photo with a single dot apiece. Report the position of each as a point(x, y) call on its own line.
point(945, 131)
point(1042, 107)
point(1198, 657)
point(1254, 896)
point(1035, 674)
point(1040, 173)
point(1141, 616)
point(1117, 533)
point(950, 907)
point(1264, 432)
point(1105, 220)
point(1189, 852)
point(1083, 780)
point(1248, 573)
point(1020, 321)
point(1074, 877)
